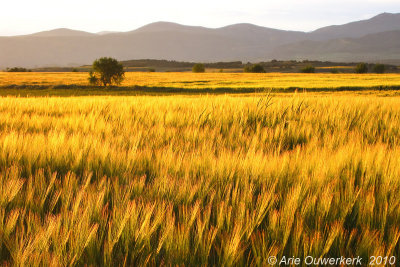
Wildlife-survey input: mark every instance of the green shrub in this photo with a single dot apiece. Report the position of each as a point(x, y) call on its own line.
point(308, 69)
point(379, 68)
point(198, 68)
point(256, 68)
point(361, 68)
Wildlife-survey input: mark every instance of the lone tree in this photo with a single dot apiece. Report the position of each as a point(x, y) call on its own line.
point(198, 68)
point(362, 68)
point(106, 71)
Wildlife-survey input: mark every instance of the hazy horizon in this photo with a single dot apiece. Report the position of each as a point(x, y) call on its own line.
point(43, 15)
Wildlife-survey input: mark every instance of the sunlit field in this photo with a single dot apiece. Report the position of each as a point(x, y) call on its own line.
point(199, 180)
point(212, 80)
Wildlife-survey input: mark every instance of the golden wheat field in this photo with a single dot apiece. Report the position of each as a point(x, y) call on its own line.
point(198, 180)
point(212, 80)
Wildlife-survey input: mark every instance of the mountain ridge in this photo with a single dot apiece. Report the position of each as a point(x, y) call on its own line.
point(163, 25)
point(379, 23)
point(173, 41)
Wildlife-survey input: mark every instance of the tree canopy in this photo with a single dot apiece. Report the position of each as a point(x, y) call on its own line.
point(308, 69)
point(198, 68)
point(106, 71)
point(361, 68)
point(379, 68)
point(256, 68)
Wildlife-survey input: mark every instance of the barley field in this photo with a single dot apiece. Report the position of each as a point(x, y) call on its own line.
point(211, 80)
point(198, 180)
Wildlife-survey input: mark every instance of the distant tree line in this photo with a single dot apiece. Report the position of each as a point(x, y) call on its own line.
point(18, 69)
point(285, 66)
point(153, 63)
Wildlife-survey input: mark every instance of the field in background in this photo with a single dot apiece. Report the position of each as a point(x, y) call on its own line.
point(288, 66)
point(231, 81)
point(199, 180)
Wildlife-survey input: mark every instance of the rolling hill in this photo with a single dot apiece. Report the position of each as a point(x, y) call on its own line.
point(62, 32)
point(381, 23)
point(369, 40)
point(377, 47)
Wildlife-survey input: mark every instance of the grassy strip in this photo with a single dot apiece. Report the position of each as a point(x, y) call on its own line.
point(77, 90)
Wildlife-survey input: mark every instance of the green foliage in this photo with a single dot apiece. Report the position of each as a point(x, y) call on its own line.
point(107, 71)
point(74, 70)
point(379, 68)
point(93, 80)
point(151, 70)
point(256, 68)
point(198, 68)
point(308, 69)
point(361, 68)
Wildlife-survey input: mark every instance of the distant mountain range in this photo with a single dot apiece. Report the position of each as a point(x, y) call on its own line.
point(373, 40)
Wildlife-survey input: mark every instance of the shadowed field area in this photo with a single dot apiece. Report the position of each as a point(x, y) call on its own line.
point(198, 180)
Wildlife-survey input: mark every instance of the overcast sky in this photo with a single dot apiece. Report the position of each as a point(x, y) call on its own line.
point(28, 16)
